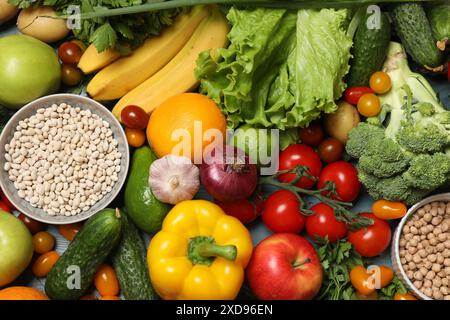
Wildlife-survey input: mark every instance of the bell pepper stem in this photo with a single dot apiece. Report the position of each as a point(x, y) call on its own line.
point(203, 250)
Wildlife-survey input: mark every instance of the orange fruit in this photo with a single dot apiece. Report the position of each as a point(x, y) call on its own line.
point(180, 121)
point(22, 293)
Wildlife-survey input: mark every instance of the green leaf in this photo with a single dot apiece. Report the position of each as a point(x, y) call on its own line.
point(104, 37)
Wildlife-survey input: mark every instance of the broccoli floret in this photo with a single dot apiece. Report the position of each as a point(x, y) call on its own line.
point(425, 109)
point(392, 188)
point(422, 137)
point(362, 136)
point(428, 172)
point(371, 183)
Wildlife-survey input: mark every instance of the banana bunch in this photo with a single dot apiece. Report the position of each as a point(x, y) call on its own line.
point(162, 67)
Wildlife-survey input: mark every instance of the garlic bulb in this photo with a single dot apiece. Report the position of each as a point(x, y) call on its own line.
point(174, 179)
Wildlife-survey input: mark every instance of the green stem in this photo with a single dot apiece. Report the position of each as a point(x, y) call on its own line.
point(299, 263)
point(203, 250)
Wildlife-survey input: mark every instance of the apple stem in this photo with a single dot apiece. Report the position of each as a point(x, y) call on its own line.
point(298, 263)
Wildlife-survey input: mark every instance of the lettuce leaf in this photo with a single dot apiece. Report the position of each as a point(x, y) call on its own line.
point(282, 68)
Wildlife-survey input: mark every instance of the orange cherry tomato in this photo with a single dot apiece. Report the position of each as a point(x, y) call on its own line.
point(404, 296)
point(359, 278)
point(43, 242)
point(372, 296)
point(387, 210)
point(110, 298)
point(135, 137)
point(69, 231)
point(44, 264)
point(386, 275)
point(106, 282)
point(380, 82)
point(88, 297)
point(369, 105)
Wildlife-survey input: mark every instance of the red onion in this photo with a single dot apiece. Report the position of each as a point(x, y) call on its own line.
point(227, 174)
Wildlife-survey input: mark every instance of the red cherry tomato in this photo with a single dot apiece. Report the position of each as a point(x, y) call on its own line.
point(372, 240)
point(330, 150)
point(300, 154)
point(6, 200)
point(4, 207)
point(281, 213)
point(345, 177)
point(33, 226)
point(134, 117)
point(312, 135)
point(244, 210)
point(70, 53)
point(352, 94)
point(323, 223)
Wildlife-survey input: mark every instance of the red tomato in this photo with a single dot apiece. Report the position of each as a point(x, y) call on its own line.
point(4, 206)
point(323, 223)
point(33, 225)
point(300, 154)
point(352, 94)
point(70, 53)
point(244, 210)
point(330, 150)
point(281, 213)
point(345, 177)
point(312, 135)
point(372, 240)
point(134, 117)
point(6, 200)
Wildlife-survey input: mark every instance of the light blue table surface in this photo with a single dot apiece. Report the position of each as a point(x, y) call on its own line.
point(258, 229)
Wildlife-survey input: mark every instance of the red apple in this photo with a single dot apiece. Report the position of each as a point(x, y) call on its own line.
point(284, 266)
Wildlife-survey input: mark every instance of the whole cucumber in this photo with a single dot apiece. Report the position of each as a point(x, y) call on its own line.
point(74, 272)
point(130, 264)
point(414, 31)
point(369, 50)
point(439, 17)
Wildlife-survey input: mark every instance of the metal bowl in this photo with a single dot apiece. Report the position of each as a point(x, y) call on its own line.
point(75, 101)
point(395, 252)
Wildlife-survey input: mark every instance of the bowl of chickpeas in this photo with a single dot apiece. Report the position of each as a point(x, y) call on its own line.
point(421, 248)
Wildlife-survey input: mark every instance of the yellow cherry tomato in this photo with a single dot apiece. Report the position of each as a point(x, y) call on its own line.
point(387, 210)
point(369, 105)
point(135, 137)
point(404, 296)
point(44, 264)
point(43, 242)
point(106, 282)
point(380, 82)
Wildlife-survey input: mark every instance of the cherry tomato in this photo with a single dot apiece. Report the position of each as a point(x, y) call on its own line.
point(110, 298)
point(70, 53)
point(330, 150)
point(106, 282)
point(33, 226)
point(69, 231)
point(372, 240)
point(80, 44)
point(404, 296)
point(369, 105)
point(71, 75)
point(4, 207)
point(352, 94)
point(281, 213)
point(323, 223)
point(88, 297)
point(385, 273)
point(135, 137)
point(380, 82)
point(312, 135)
point(244, 210)
point(134, 117)
point(6, 200)
point(43, 242)
point(300, 154)
point(345, 177)
point(360, 280)
point(387, 210)
point(44, 264)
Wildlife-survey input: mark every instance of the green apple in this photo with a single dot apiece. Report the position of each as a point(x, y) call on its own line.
point(29, 69)
point(16, 248)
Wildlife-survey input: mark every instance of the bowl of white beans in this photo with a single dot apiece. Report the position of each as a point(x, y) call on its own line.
point(421, 248)
point(63, 158)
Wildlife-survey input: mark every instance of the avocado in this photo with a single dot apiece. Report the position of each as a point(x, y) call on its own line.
point(144, 209)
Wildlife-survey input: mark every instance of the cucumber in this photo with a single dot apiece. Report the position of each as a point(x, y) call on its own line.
point(130, 264)
point(414, 31)
point(72, 275)
point(369, 50)
point(439, 16)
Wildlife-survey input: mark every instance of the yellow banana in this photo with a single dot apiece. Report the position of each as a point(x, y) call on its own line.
point(127, 73)
point(178, 75)
point(92, 60)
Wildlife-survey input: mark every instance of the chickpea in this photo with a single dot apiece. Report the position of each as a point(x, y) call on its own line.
point(433, 212)
point(441, 211)
point(405, 266)
point(430, 275)
point(444, 290)
point(447, 297)
point(406, 228)
point(447, 262)
point(414, 230)
point(436, 267)
point(440, 247)
point(410, 274)
point(447, 271)
point(424, 230)
point(421, 212)
point(445, 282)
point(412, 266)
point(441, 274)
point(427, 217)
point(422, 253)
point(417, 223)
point(416, 238)
point(412, 250)
point(418, 275)
point(444, 227)
point(403, 261)
point(417, 258)
point(417, 284)
point(408, 257)
point(437, 282)
point(447, 243)
point(437, 295)
point(408, 236)
point(430, 236)
point(437, 231)
point(433, 241)
point(427, 207)
point(409, 223)
point(425, 243)
point(432, 258)
point(423, 271)
point(440, 259)
point(427, 291)
point(423, 237)
point(436, 221)
point(415, 218)
point(420, 246)
point(413, 242)
point(446, 253)
point(427, 283)
point(427, 264)
point(402, 243)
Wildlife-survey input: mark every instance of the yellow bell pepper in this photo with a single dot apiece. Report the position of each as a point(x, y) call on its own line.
point(200, 253)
